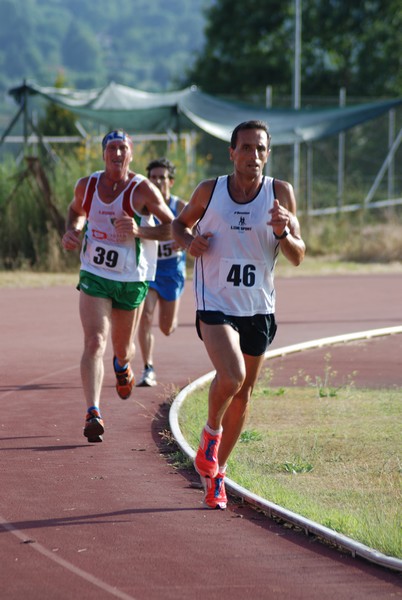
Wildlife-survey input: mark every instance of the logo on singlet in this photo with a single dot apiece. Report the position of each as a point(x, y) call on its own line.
point(241, 226)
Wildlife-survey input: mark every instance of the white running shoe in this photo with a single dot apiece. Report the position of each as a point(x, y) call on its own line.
point(148, 377)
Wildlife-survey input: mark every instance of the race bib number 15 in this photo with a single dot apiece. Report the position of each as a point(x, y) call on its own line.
point(166, 250)
point(241, 273)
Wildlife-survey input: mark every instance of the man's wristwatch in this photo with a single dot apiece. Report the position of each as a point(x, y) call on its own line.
point(284, 234)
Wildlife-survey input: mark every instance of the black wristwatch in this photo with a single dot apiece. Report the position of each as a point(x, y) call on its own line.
point(284, 234)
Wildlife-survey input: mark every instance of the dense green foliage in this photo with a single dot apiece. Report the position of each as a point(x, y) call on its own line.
point(356, 45)
point(250, 44)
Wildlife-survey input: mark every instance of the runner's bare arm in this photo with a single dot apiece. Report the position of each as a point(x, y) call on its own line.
point(147, 199)
point(76, 217)
point(282, 216)
point(191, 213)
point(179, 207)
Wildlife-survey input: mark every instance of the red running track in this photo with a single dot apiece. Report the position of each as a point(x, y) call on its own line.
point(115, 520)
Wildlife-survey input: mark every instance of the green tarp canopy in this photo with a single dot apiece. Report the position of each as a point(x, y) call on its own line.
point(119, 106)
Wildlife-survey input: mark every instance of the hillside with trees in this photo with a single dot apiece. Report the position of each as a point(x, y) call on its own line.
point(224, 47)
point(143, 44)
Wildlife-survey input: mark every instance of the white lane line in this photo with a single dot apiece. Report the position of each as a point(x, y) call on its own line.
point(64, 563)
point(47, 375)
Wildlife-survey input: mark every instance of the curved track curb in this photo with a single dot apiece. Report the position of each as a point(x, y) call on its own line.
point(272, 509)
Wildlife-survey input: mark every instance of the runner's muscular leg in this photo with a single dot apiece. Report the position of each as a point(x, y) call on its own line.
point(145, 335)
point(95, 319)
point(124, 326)
point(222, 345)
point(236, 413)
point(168, 312)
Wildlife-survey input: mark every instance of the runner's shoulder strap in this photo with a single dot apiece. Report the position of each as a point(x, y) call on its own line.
point(89, 193)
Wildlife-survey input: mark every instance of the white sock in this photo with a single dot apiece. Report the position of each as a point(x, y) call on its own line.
point(213, 431)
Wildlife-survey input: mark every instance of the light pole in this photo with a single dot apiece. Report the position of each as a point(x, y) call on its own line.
point(296, 92)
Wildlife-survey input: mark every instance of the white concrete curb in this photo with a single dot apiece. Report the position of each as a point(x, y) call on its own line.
point(270, 508)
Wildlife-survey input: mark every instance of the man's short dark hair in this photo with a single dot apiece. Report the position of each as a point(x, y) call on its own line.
point(163, 163)
point(249, 125)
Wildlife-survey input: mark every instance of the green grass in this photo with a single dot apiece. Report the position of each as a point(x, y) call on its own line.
point(331, 458)
point(332, 265)
point(15, 279)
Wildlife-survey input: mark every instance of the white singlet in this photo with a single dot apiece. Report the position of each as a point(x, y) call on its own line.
point(236, 274)
point(102, 252)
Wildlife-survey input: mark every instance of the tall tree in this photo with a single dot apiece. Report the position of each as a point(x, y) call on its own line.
point(356, 45)
point(250, 44)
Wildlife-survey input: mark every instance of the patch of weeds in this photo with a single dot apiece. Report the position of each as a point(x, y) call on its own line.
point(267, 374)
point(264, 380)
point(178, 460)
point(167, 437)
point(250, 436)
point(324, 385)
point(269, 392)
point(327, 392)
point(295, 466)
point(169, 393)
point(300, 376)
point(170, 449)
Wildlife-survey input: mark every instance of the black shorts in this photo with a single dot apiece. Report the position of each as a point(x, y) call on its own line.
point(256, 332)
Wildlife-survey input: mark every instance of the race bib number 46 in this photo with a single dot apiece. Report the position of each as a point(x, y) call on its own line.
point(112, 258)
point(241, 273)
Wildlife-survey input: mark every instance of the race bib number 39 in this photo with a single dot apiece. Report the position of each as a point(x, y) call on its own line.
point(241, 273)
point(112, 258)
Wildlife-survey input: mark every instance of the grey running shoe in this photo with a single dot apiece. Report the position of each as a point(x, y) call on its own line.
point(148, 377)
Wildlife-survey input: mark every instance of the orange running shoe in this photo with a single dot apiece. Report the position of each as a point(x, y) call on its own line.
point(94, 426)
point(206, 460)
point(124, 382)
point(215, 493)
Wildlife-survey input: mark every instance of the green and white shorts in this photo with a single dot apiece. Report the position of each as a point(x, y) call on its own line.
point(126, 295)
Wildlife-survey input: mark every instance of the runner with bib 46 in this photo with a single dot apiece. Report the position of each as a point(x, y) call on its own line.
point(235, 227)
